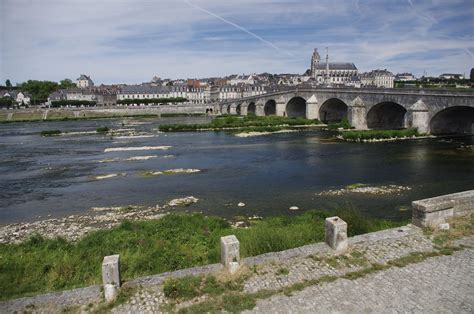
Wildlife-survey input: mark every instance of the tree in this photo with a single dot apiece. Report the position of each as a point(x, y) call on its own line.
point(471, 76)
point(66, 83)
point(39, 90)
point(8, 83)
point(5, 102)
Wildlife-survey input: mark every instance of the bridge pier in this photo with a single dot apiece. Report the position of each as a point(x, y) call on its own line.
point(418, 117)
point(312, 108)
point(244, 109)
point(357, 114)
point(233, 109)
point(259, 110)
point(280, 109)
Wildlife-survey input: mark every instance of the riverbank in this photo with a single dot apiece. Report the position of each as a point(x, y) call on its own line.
point(148, 245)
point(312, 273)
point(70, 115)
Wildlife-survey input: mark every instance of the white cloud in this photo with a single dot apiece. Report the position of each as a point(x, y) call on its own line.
point(131, 41)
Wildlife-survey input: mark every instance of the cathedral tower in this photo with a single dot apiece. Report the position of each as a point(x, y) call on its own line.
point(314, 62)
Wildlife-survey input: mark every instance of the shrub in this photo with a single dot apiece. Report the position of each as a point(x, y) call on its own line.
point(50, 132)
point(232, 121)
point(378, 134)
point(102, 129)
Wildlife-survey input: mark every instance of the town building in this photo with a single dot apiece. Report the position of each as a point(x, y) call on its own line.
point(20, 97)
point(84, 81)
point(331, 73)
point(377, 78)
point(404, 77)
point(449, 76)
point(194, 91)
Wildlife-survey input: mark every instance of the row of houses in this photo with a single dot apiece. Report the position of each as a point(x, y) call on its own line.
point(19, 97)
point(105, 96)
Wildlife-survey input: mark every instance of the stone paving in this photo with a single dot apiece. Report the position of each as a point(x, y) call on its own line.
point(286, 270)
point(437, 285)
point(270, 275)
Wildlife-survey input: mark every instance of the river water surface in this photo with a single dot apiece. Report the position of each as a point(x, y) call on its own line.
point(56, 176)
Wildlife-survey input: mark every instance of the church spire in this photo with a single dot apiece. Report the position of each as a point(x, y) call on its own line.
point(327, 67)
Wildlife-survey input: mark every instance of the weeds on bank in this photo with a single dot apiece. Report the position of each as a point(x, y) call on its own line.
point(51, 132)
point(344, 124)
point(102, 129)
point(189, 287)
point(173, 242)
point(228, 121)
point(378, 134)
point(460, 227)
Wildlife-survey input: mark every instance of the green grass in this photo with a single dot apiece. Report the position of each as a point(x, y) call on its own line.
point(50, 132)
point(378, 134)
point(230, 121)
point(173, 242)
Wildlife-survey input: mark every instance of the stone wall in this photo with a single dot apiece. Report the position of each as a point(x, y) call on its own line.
point(100, 112)
point(431, 212)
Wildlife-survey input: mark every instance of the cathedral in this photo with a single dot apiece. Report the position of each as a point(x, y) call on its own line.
point(331, 73)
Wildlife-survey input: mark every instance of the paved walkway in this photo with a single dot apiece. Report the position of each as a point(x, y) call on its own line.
point(438, 285)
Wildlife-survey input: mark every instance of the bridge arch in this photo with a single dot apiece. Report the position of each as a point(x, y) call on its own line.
point(251, 109)
point(269, 109)
point(238, 109)
point(386, 115)
point(333, 110)
point(296, 107)
point(228, 109)
point(453, 120)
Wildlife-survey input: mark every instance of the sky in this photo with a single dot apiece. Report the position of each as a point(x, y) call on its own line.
point(130, 41)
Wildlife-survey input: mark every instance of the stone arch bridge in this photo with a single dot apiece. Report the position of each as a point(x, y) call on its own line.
point(434, 112)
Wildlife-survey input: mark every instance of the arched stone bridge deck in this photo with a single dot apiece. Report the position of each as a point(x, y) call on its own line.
point(436, 112)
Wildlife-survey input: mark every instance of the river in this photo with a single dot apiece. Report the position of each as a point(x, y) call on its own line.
point(56, 176)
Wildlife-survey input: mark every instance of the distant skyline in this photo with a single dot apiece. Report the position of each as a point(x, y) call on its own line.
point(127, 41)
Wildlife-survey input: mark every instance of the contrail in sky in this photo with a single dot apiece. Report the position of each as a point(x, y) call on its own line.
point(423, 16)
point(238, 27)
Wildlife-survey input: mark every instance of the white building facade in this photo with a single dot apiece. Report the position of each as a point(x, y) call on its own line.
point(84, 81)
point(378, 78)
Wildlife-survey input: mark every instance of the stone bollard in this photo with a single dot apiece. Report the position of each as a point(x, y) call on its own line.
point(111, 276)
point(230, 253)
point(336, 233)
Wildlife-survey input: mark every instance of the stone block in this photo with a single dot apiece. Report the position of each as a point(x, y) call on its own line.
point(111, 276)
point(336, 233)
point(110, 292)
point(230, 252)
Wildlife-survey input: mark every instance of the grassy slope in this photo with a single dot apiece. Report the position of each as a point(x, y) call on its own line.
point(148, 247)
